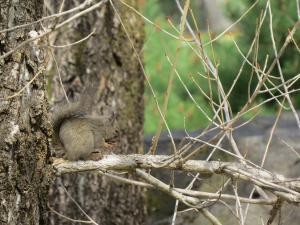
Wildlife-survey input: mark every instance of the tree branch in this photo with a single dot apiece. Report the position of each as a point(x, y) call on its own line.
point(285, 188)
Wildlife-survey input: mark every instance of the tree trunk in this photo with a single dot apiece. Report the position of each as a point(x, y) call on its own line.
point(105, 59)
point(24, 126)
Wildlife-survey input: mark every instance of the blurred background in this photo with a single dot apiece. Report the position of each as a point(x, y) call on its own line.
point(212, 17)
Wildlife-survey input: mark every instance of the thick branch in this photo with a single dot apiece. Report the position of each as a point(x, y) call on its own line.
point(279, 185)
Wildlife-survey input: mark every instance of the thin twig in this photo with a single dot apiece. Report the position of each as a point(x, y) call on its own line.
point(145, 75)
point(54, 16)
point(280, 70)
point(78, 206)
point(94, 7)
point(18, 93)
point(68, 218)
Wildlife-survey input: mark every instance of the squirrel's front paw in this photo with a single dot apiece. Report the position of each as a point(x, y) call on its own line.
point(95, 156)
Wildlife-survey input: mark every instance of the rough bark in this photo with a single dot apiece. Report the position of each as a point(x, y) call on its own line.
point(107, 60)
point(24, 126)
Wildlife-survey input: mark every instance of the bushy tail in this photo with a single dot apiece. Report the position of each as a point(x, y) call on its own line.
point(64, 112)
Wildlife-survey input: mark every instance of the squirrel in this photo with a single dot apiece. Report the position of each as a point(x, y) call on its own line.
point(78, 133)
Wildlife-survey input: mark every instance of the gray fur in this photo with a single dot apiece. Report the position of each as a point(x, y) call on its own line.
point(80, 134)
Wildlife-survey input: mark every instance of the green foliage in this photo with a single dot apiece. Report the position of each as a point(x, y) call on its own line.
point(181, 109)
point(284, 17)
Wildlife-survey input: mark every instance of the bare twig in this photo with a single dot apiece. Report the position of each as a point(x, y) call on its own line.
point(232, 25)
point(18, 93)
point(145, 75)
point(68, 218)
point(275, 210)
point(59, 75)
point(83, 12)
point(208, 215)
point(198, 194)
point(78, 206)
point(280, 70)
point(74, 43)
point(54, 16)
